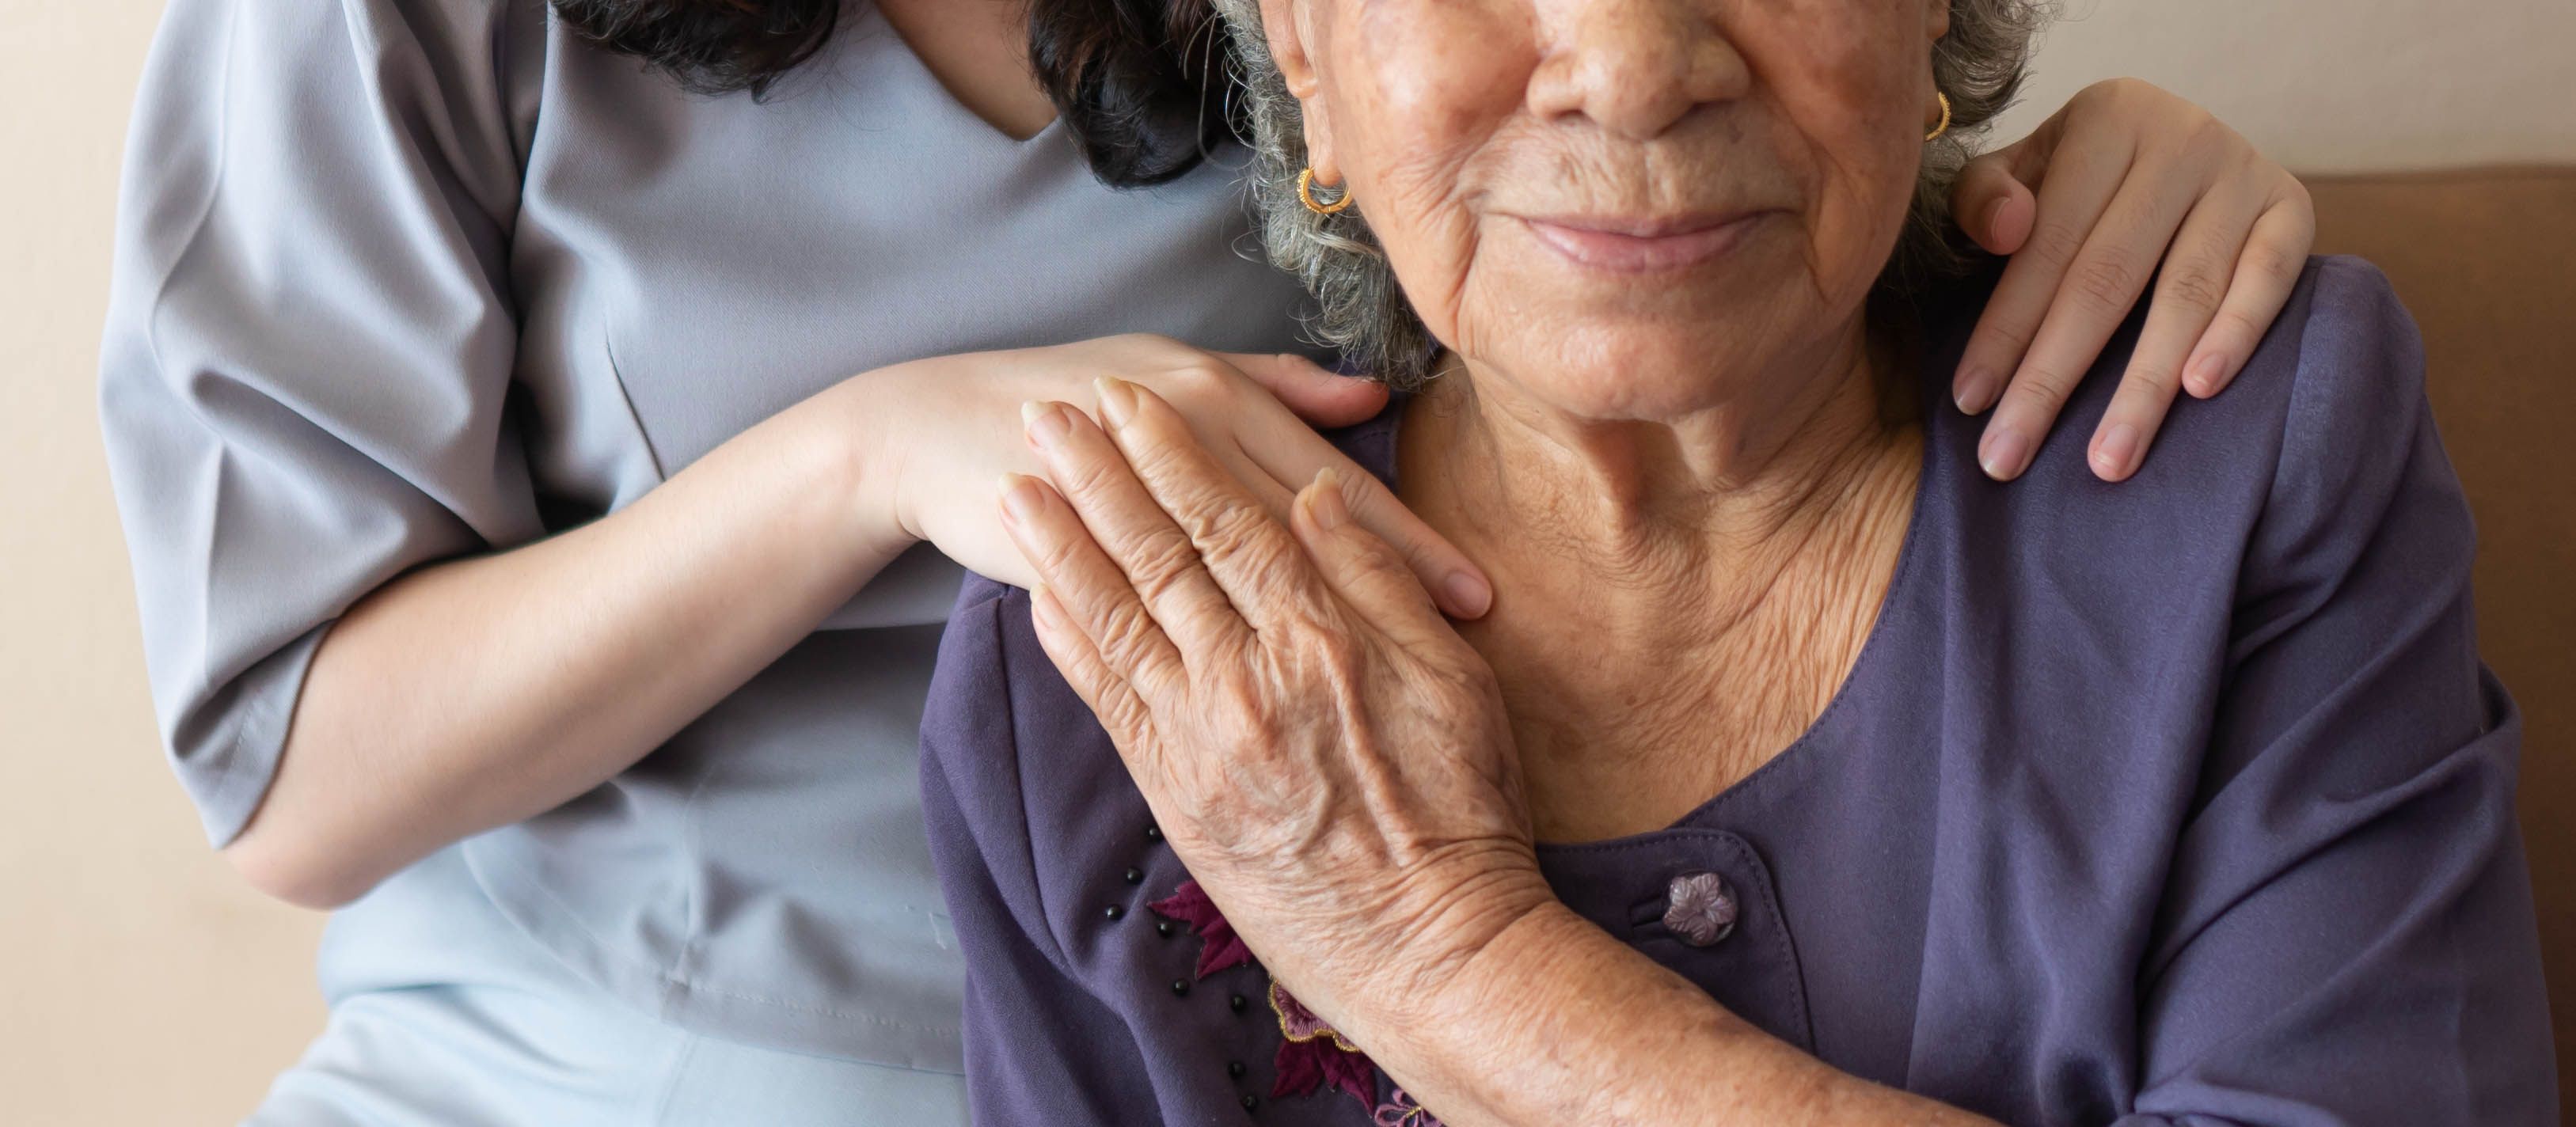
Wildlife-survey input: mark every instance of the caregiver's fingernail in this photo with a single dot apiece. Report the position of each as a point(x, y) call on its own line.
point(1975, 390)
point(2004, 453)
point(1330, 512)
point(2208, 375)
point(1047, 423)
point(2117, 453)
point(1469, 596)
point(1117, 399)
point(1020, 496)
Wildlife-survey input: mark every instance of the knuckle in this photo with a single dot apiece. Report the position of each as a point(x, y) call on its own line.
point(2005, 332)
point(2055, 240)
point(2044, 385)
point(2157, 380)
point(1159, 560)
point(1376, 559)
point(2194, 285)
point(2235, 323)
point(1057, 558)
point(1250, 708)
point(2107, 284)
point(1086, 477)
point(2280, 264)
point(1155, 458)
point(1200, 376)
point(2204, 135)
point(1124, 632)
point(1233, 531)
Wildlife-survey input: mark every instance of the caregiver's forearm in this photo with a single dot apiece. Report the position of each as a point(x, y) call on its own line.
point(477, 692)
point(1556, 1022)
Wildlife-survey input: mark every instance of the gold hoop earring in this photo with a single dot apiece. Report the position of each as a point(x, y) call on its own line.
point(1944, 127)
point(1306, 195)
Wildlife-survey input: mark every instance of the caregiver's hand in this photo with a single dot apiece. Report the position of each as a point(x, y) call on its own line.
point(2128, 177)
point(1244, 410)
point(1323, 750)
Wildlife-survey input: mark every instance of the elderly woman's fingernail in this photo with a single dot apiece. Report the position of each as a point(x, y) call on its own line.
point(1047, 423)
point(1020, 497)
point(1117, 399)
point(1330, 512)
point(2004, 453)
point(1469, 597)
point(2117, 452)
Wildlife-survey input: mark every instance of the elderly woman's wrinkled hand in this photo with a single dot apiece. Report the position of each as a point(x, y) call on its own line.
point(1318, 744)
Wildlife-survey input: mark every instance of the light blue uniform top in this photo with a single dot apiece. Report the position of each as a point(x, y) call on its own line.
point(404, 280)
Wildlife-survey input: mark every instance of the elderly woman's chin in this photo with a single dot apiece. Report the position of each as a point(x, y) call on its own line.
point(1671, 339)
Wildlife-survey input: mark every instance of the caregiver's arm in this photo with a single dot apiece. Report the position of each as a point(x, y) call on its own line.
point(363, 642)
point(476, 692)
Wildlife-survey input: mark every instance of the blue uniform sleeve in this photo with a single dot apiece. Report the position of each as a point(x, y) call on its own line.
point(1040, 1049)
point(310, 341)
point(2348, 935)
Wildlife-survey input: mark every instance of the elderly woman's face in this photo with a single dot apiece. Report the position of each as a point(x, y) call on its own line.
point(1625, 206)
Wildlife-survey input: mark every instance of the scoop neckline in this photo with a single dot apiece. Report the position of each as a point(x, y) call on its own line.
point(1901, 583)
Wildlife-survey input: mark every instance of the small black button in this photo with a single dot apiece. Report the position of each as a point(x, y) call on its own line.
point(1234, 1068)
point(1135, 876)
point(1237, 1002)
point(1180, 986)
point(1251, 1101)
point(1113, 911)
point(1163, 928)
point(1153, 832)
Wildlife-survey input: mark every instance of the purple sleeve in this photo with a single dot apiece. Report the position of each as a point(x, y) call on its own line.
point(2347, 934)
point(1039, 1049)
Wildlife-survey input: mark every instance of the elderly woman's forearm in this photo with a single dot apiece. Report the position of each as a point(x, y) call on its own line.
point(1557, 1022)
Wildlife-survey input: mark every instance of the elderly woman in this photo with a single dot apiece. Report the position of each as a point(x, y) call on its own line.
point(1799, 773)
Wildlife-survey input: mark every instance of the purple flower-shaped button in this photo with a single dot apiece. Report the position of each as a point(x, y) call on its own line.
point(1699, 908)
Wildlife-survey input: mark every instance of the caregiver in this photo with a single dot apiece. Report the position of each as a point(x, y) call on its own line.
point(481, 404)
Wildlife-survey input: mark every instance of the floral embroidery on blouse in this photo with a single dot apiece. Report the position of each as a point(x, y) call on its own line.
point(1312, 1056)
point(1219, 947)
point(1401, 1111)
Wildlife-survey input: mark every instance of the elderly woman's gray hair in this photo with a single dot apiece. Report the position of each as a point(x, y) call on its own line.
point(1363, 314)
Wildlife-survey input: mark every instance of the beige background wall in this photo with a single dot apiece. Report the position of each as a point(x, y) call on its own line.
point(140, 983)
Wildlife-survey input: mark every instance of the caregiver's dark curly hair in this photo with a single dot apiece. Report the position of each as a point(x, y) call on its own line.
point(1139, 84)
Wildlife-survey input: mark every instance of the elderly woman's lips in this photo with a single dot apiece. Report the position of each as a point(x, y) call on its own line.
point(1645, 246)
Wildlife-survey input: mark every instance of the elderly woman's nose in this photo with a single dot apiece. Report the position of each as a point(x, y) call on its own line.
point(1634, 66)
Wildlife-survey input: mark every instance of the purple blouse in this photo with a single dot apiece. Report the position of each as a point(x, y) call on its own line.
point(2185, 800)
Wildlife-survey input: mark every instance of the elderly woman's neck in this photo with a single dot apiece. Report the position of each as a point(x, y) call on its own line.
point(1742, 477)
